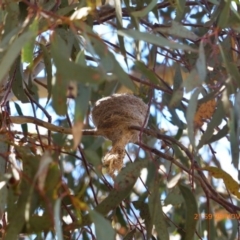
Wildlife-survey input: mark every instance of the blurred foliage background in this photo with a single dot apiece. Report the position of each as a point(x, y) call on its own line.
point(58, 58)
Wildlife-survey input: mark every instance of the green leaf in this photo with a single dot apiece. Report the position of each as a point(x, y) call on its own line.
point(3, 182)
point(59, 98)
point(177, 88)
point(178, 30)
point(57, 219)
point(155, 40)
point(192, 81)
point(156, 211)
point(48, 69)
point(107, 60)
point(224, 15)
point(103, 227)
point(146, 72)
point(124, 183)
point(231, 67)
point(201, 64)
point(191, 211)
point(27, 51)
point(16, 72)
point(19, 111)
point(12, 52)
point(118, 8)
point(145, 215)
point(77, 72)
point(146, 10)
point(191, 110)
point(234, 136)
point(12, 17)
point(180, 9)
point(174, 197)
point(82, 102)
point(221, 133)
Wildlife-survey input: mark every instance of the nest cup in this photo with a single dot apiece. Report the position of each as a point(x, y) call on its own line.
point(112, 117)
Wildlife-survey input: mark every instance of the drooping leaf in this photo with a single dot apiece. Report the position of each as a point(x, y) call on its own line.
point(153, 39)
point(156, 212)
point(234, 139)
point(224, 15)
point(81, 106)
point(59, 95)
point(180, 9)
point(221, 133)
point(177, 29)
point(107, 62)
point(118, 9)
point(174, 197)
point(77, 72)
point(27, 51)
point(16, 72)
point(12, 52)
point(19, 111)
point(177, 88)
point(146, 10)
point(103, 227)
point(145, 215)
point(192, 106)
point(48, 69)
point(57, 219)
point(192, 81)
point(124, 183)
point(191, 209)
point(147, 73)
point(201, 63)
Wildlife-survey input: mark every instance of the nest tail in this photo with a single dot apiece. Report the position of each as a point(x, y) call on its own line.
point(112, 117)
point(113, 160)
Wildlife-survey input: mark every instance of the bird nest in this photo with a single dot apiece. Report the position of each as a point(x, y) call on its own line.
point(112, 117)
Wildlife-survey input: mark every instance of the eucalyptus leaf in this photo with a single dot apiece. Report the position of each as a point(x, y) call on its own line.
point(177, 29)
point(103, 227)
point(146, 10)
point(191, 110)
point(12, 52)
point(191, 210)
point(155, 40)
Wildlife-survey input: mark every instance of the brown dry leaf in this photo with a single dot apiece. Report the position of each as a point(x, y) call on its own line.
point(230, 183)
point(77, 133)
point(204, 111)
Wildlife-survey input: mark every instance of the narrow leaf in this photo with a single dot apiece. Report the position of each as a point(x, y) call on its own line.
point(57, 219)
point(118, 8)
point(156, 212)
point(48, 69)
point(27, 51)
point(103, 227)
point(155, 40)
point(191, 110)
point(201, 63)
point(12, 52)
point(146, 10)
point(191, 211)
point(178, 30)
